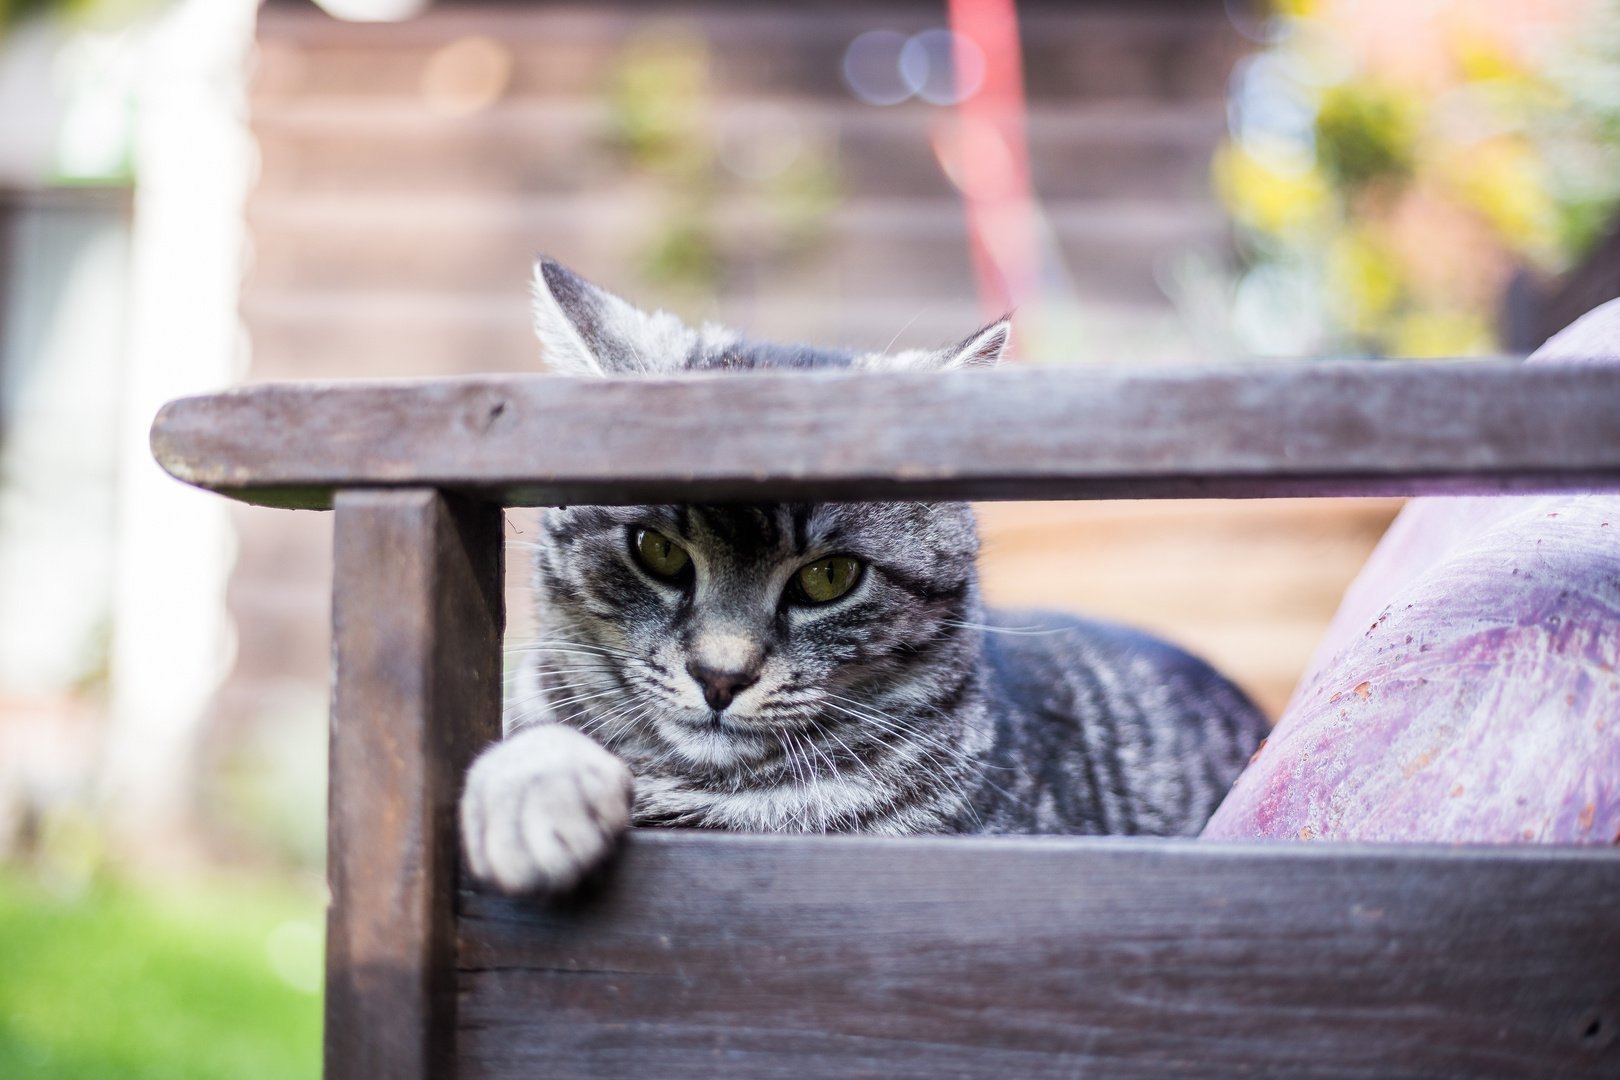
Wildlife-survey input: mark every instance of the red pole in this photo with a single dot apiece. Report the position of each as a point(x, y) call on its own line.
point(987, 157)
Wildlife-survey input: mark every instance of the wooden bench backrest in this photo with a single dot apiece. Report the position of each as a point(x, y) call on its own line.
point(716, 955)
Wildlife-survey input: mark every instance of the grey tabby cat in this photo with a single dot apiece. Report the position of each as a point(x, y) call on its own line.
point(815, 667)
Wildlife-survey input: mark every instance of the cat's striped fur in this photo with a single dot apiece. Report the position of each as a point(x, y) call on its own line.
point(900, 707)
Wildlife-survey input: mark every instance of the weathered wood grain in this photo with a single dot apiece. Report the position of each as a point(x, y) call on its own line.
point(1332, 428)
point(716, 955)
point(417, 618)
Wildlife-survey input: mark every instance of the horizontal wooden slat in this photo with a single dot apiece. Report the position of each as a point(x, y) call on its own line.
point(725, 955)
point(1265, 430)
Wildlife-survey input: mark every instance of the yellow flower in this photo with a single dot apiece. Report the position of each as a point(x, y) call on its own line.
point(1364, 282)
point(1298, 9)
point(1481, 56)
point(1505, 181)
point(1434, 334)
point(1268, 199)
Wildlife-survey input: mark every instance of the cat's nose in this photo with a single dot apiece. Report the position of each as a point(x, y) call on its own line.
point(719, 687)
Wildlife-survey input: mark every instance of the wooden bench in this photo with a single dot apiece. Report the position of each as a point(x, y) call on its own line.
point(729, 955)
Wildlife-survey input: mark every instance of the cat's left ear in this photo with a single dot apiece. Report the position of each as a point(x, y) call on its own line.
point(982, 349)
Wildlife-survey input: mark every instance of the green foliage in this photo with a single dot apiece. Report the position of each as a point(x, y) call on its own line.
point(82, 12)
point(660, 100)
point(725, 190)
point(1583, 223)
point(661, 121)
point(13, 12)
point(1364, 133)
point(130, 984)
point(686, 254)
point(1578, 124)
point(801, 198)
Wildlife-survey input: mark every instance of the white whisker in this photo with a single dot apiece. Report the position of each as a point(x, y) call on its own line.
point(1025, 631)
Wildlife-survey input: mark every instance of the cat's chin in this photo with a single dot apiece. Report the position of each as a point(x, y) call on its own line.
point(717, 744)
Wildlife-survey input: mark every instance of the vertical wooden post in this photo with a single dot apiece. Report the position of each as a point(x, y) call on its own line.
point(417, 616)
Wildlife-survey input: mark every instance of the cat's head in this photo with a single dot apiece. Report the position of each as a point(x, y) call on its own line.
point(586, 330)
point(716, 633)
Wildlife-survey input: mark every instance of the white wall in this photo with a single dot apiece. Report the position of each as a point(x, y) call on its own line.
point(105, 322)
point(172, 639)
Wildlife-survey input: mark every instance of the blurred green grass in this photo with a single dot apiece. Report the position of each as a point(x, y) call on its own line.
point(190, 982)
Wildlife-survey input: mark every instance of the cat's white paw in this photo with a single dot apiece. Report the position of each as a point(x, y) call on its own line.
point(541, 808)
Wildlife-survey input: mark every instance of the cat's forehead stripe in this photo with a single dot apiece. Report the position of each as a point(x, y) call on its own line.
point(746, 530)
point(801, 528)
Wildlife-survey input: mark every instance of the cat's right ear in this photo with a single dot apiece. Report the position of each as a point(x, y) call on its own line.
point(567, 312)
point(585, 330)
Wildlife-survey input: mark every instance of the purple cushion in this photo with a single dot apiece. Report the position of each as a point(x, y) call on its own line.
point(1469, 686)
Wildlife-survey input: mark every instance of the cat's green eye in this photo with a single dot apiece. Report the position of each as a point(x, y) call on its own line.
point(661, 556)
point(827, 579)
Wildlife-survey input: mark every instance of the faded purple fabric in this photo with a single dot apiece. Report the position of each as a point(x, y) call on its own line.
point(1468, 690)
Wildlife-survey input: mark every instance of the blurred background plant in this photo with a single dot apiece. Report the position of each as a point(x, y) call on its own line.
point(737, 186)
point(1392, 167)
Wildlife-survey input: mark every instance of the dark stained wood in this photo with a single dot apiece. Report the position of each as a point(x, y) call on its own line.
point(716, 955)
point(417, 620)
point(1296, 429)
